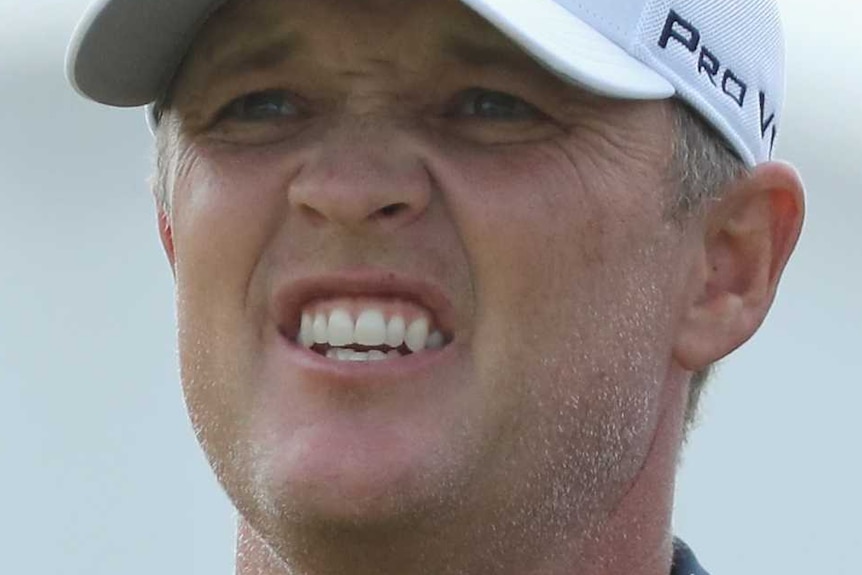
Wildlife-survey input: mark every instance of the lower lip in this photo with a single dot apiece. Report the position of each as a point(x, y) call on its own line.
point(381, 372)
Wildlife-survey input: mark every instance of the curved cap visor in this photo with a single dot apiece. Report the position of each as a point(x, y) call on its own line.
point(572, 49)
point(124, 52)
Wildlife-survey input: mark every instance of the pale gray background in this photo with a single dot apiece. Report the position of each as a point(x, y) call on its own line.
point(100, 473)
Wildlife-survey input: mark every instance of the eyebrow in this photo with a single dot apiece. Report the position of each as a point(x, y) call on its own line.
point(264, 56)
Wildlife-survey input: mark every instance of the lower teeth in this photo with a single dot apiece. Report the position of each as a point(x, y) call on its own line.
point(346, 354)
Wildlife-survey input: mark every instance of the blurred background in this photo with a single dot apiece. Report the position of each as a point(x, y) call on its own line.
point(101, 475)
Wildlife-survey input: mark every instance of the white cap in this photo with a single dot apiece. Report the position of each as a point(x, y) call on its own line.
point(725, 58)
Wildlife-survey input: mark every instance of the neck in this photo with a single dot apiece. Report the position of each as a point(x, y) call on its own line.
point(634, 539)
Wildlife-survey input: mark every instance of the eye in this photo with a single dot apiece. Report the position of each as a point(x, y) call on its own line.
point(260, 107)
point(490, 105)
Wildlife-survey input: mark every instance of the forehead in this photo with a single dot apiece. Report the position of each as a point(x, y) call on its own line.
point(413, 30)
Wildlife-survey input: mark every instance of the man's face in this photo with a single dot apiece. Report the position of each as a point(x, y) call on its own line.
point(404, 160)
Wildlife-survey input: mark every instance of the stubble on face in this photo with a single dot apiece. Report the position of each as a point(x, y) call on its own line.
point(546, 233)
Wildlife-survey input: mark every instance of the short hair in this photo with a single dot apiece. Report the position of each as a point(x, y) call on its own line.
point(702, 166)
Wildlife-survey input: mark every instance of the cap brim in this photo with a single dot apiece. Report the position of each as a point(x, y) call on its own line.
point(124, 52)
point(572, 49)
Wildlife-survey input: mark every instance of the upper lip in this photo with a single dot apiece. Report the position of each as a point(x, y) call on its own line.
point(291, 297)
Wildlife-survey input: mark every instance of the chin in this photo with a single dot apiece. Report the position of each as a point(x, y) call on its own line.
point(344, 473)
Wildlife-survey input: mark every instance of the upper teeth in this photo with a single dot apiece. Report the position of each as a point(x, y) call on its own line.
point(369, 328)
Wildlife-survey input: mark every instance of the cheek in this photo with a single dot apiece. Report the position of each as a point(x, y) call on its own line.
point(224, 216)
point(573, 310)
point(227, 210)
point(570, 266)
point(224, 211)
point(535, 226)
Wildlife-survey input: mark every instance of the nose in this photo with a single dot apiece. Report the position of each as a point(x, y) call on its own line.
point(362, 176)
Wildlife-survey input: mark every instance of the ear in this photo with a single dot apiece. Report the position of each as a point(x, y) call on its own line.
point(747, 238)
point(166, 234)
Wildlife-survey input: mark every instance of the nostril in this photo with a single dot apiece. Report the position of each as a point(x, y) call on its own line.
point(312, 214)
point(392, 209)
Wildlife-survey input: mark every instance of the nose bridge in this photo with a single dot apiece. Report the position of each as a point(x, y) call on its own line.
point(362, 172)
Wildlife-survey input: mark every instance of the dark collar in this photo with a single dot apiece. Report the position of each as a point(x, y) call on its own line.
point(684, 561)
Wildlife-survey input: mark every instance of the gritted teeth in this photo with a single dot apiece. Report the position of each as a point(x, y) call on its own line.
point(378, 329)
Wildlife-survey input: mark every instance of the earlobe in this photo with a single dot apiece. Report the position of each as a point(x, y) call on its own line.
point(166, 234)
point(748, 237)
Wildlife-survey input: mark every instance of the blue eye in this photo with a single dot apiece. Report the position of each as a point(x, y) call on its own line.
point(490, 105)
point(260, 106)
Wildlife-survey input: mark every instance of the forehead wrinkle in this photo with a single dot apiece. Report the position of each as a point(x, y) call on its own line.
point(252, 35)
point(265, 55)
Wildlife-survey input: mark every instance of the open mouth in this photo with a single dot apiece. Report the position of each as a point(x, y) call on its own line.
point(368, 329)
